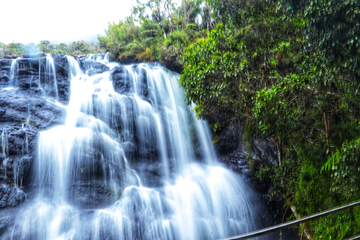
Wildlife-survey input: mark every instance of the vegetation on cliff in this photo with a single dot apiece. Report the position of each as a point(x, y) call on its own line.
point(75, 48)
point(157, 30)
point(288, 69)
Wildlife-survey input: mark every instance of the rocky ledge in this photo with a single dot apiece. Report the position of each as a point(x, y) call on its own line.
point(28, 86)
point(25, 110)
point(26, 83)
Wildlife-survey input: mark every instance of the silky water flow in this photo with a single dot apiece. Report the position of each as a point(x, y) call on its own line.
point(136, 165)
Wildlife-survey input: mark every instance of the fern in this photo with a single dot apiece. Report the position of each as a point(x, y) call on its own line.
point(348, 151)
point(331, 162)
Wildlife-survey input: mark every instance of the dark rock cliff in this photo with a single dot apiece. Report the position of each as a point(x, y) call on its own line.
point(24, 112)
point(245, 155)
point(25, 82)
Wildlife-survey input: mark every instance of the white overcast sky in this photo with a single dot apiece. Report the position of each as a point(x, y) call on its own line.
point(28, 21)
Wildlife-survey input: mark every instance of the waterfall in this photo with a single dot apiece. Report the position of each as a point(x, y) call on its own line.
point(50, 83)
point(4, 148)
point(14, 71)
point(4, 143)
point(99, 58)
point(125, 166)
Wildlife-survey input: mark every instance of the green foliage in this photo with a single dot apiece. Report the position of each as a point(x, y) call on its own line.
point(45, 46)
point(226, 69)
point(290, 71)
point(158, 30)
point(333, 28)
point(79, 47)
point(205, 74)
point(344, 168)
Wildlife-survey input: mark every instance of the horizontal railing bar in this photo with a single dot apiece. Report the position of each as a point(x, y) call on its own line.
point(354, 237)
point(292, 223)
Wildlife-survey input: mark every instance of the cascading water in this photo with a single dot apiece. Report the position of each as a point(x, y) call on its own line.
point(49, 84)
point(4, 148)
point(13, 71)
point(125, 166)
point(99, 58)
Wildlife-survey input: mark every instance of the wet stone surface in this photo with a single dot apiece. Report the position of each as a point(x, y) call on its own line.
point(25, 112)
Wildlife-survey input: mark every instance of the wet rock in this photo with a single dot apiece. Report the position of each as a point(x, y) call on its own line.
point(120, 81)
point(28, 64)
point(94, 194)
point(10, 196)
point(174, 66)
point(15, 170)
point(152, 173)
point(5, 64)
point(229, 138)
point(28, 107)
point(92, 72)
point(233, 150)
point(27, 78)
point(11, 56)
point(63, 85)
point(89, 64)
point(4, 79)
point(23, 113)
point(61, 64)
point(265, 151)
point(130, 149)
point(143, 84)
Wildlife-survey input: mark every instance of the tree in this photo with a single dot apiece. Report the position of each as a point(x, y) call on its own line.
point(45, 46)
point(290, 73)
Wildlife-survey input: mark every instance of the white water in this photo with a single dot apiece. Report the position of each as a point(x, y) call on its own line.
point(13, 71)
point(50, 77)
point(191, 198)
point(4, 148)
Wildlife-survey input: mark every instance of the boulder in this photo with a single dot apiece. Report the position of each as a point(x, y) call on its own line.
point(89, 64)
point(120, 81)
point(23, 113)
point(10, 197)
point(143, 88)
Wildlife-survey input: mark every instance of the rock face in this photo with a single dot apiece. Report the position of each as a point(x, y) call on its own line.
point(240, 154)
point(96, 67)
point(24, 112)
point(25, 84)
point(120, 81)
point(5, 65)
point(234, 152)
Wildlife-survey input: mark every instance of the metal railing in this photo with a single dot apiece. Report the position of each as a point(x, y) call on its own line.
point(278, 227)
point(353, 238)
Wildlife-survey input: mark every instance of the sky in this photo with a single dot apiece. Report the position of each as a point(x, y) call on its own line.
point(27, 21)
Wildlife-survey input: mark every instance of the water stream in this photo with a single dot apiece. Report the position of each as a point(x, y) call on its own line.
point(126, 166)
